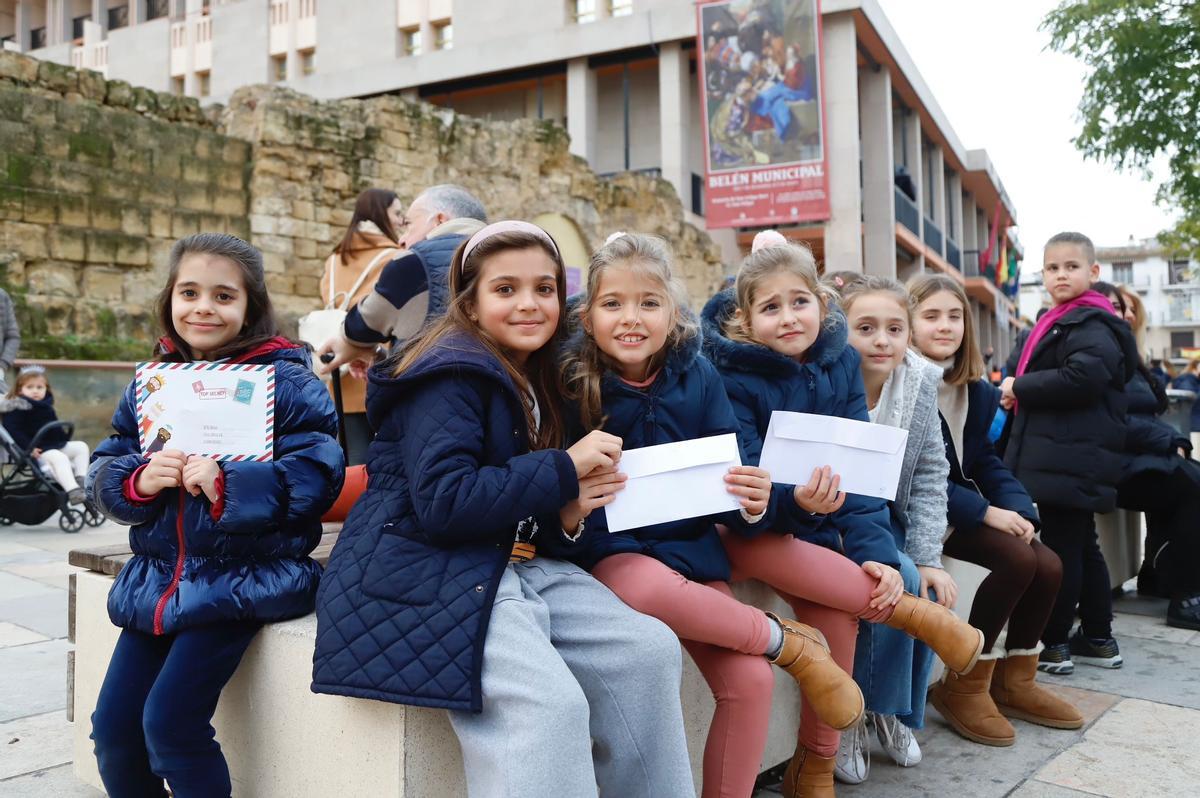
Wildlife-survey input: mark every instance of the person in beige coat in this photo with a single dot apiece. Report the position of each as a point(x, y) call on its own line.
point(370, 242)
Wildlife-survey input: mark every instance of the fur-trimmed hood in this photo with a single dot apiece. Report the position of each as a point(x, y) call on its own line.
point(726, 353)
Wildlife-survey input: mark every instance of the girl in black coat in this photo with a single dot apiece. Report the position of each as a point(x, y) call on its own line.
point(1067, 443)
point(1160, 480)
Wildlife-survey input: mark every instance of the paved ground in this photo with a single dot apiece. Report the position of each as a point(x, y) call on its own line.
point(1143, 721)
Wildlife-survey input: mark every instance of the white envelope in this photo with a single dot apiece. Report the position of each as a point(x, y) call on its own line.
point(868, 457)
point(673, 481)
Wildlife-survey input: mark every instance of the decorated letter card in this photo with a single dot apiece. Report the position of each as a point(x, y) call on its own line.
point(218, 410)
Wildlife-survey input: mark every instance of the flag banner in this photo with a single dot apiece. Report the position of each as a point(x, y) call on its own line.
point(760, 75)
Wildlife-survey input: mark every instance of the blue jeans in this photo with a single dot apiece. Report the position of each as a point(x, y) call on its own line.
point(153, 718)
point(891, 668)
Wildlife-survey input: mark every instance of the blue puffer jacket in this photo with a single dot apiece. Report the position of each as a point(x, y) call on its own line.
point(685, 401)
point(981, 479)
point(251, 563)
point(760, 381)
point(403, 609)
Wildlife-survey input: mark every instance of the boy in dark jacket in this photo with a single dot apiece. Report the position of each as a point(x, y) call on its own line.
point(1067, 442)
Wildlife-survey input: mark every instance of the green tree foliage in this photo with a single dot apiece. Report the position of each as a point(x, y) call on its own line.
point(1141, 100)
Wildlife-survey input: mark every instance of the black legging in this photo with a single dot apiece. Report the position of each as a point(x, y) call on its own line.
point(1172, 506)
point(1020, 589)
point(1072, 535)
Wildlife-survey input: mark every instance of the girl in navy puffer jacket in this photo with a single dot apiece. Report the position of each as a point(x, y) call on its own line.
point(636, 371)
point(448, 587)
point(219, 548)
point(780, 344)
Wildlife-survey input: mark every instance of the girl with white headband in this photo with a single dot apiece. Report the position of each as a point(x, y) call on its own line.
point(449, 587)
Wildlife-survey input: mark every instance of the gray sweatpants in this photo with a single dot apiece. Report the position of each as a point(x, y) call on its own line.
point(580, 693)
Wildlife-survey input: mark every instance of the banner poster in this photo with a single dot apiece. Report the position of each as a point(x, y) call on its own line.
point(763, 112)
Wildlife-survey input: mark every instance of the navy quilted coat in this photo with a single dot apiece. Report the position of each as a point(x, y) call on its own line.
point(685, 401)
point(250, 564)
point(403, 609)
point(759, 381)
point(982, 479)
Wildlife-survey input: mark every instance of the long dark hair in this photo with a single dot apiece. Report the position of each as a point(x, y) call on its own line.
point(541, 376)
point(1113, 293)
point(260, 324)
point(371, 206)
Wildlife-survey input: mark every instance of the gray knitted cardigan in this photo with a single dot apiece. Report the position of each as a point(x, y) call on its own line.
point(920, 503)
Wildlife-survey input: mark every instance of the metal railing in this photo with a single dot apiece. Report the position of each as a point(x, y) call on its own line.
point(906, 212)
point(952, 254)
point(932, 236)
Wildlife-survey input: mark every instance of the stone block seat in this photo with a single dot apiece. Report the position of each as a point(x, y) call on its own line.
point(284, 741)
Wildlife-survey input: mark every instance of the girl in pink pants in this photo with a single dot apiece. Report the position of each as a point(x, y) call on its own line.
point(634, 369)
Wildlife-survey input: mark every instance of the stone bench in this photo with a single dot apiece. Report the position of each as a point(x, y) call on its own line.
point(282, 740)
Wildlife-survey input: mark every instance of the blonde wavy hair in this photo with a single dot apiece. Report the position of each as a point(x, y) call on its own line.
point(584, 368)
point(791, 258)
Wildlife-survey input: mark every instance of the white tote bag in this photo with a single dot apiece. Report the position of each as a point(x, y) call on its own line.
point(318, 326)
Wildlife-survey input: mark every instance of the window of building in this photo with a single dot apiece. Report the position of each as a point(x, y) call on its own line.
point(1184, 339)
point(77, 26)
point(620, 8)
point(118, 17)
point(157, 8)
point(584, 11)
point(37, 38)
point(307, 62)
point(177, 86)
point(202, 83)
point(443, 36)
point(1122, 272)
point(410, 39)
point(279, 69)
point(1180, 272)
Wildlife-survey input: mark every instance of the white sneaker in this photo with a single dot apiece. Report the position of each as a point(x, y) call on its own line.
point(897, 739)
point(853, 761)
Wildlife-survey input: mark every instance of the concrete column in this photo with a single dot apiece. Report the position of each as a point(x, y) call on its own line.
point(100, 15)
point(916, 168)
point(843, 231)
point(292, 57)
point(581, 109)
point(58, 21)
point(21, 19)
point(954, 213)
point(938, 206)
point(137, 12)
point(674, 113)
point(878, 169)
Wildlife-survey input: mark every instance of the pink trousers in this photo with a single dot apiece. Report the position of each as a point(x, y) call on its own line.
point(727, 639)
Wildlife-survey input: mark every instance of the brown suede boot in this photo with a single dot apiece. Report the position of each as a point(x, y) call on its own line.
point(955, 641)
point(830, 691)
point(1018, 695)
point(808, 775)
point(966, 704)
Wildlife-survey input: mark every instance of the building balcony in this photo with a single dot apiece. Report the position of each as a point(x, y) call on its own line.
point(179, 49)
point(1188, 286)
point(278, 36)
point(306, 26)
point(953, 257)
point(100, 58)
point(77, 57)
point(202, 57)
point(970, 263)
point(906, 213)
point(932, 236)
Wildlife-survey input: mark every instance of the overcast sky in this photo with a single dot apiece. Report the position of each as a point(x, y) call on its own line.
point(986, 65)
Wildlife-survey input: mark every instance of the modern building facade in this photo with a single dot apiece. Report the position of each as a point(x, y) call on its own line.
point(905, 194)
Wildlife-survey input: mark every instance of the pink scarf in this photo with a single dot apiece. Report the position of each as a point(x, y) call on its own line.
point(1088, 298)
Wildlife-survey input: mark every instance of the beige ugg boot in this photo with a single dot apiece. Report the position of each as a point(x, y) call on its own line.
point(1018, 695)
point(966, 704)
point(808, 775)
point(955, 641)
point(829, 690)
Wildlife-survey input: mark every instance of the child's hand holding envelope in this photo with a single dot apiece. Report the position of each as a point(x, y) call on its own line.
point(866, 457)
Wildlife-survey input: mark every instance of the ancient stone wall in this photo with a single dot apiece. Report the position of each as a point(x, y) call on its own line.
point(97, 179)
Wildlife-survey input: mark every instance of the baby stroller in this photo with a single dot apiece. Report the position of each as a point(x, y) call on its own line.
point(29, 495)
